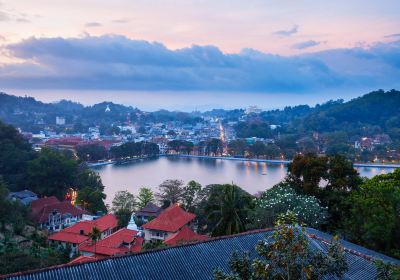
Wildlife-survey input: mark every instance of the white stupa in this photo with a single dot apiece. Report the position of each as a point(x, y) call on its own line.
point(108, 109)
point(132, 225)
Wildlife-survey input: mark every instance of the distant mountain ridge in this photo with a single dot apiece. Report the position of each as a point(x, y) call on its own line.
point(378, 108)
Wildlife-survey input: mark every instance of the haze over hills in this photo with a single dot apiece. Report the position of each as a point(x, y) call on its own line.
point(376, 108)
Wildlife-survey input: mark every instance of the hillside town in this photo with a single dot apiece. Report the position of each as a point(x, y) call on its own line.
point(250, 133)
point(88, 237)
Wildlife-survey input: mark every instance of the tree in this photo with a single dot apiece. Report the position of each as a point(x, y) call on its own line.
point(281, 199)
point(237, 147)
point(123, 215)
point(94, 236)
point(286, 254)
point(341, 174)
point(91, 152)
point(88, 178)
point(272, 151)
point(258, 149)
point(170, 191)
point(144, 197)
point(190, 195)
point(91, 199)
point(253, 129)
point(15, 152)
point(123, 200)
point(306, 172)
point(227, 209)
point(214, 147)
point(51, 173)
point(374, 219)
point(341, 179)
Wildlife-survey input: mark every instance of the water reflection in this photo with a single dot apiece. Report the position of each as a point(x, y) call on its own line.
point(251, 176)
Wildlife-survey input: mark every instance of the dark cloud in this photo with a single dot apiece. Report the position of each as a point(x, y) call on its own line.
point(93, 24)
point(289, 32)
point(305, 44)
point(117, 62)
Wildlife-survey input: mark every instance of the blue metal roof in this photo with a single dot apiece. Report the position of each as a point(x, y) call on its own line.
point(196, 261)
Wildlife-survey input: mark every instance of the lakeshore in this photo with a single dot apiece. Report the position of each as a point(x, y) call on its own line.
point(270, 161)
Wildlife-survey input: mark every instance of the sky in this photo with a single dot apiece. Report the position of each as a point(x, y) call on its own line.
point(209, 49)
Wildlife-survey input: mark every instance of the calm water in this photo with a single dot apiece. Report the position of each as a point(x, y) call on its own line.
point(251, 176)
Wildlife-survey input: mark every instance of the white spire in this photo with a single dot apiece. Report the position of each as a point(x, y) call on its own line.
point(132, 224)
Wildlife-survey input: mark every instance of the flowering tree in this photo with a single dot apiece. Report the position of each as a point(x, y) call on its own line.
point(281, 199)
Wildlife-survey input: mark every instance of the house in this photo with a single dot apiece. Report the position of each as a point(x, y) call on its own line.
point(121, 242)
point(200, 259)
point(75, 235)
point(185, 235)
point(25, 196)
point(150, 211)
point(169, 222)
point(55, 215)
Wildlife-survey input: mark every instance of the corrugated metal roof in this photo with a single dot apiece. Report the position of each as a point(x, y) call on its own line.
point(196, 261)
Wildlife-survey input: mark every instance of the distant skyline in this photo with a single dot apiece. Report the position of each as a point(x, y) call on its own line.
point(302, 48)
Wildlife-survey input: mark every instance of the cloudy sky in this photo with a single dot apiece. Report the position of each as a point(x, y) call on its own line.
point(302, 47)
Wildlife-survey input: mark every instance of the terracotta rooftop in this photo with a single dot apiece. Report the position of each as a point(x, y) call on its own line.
point(68, 237)
point(79, 232)
point(115, 244)
point(171, 219)
point(65, 207)
point(38, 204)
point(185, 235)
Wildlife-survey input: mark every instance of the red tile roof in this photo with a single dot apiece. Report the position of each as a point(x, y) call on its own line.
point(37, 205)
point(185, 235)
point(65, 207)
point(171, 219)
point(83, 259)
point(73, 234)
point(115, 244)
point(68, 237)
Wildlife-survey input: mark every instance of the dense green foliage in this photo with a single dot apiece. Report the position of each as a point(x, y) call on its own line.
point(92, 200)
point(144, 197)
point(181, 146)
point(15, 153)
point(15, 225)
point(254, 129)
point(48, 172)
point(135, 149)
point(51, 173)
point(374, 219)
point(227, 207)
point(91, 152)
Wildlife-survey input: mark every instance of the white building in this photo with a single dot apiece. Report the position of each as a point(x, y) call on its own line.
point(60, 120)
point(253, 110)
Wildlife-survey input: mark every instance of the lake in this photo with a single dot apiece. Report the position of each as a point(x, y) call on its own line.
point(251, 176)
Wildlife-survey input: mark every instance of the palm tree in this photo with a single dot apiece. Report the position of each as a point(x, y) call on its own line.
point(227, 208)
point(95, 235)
